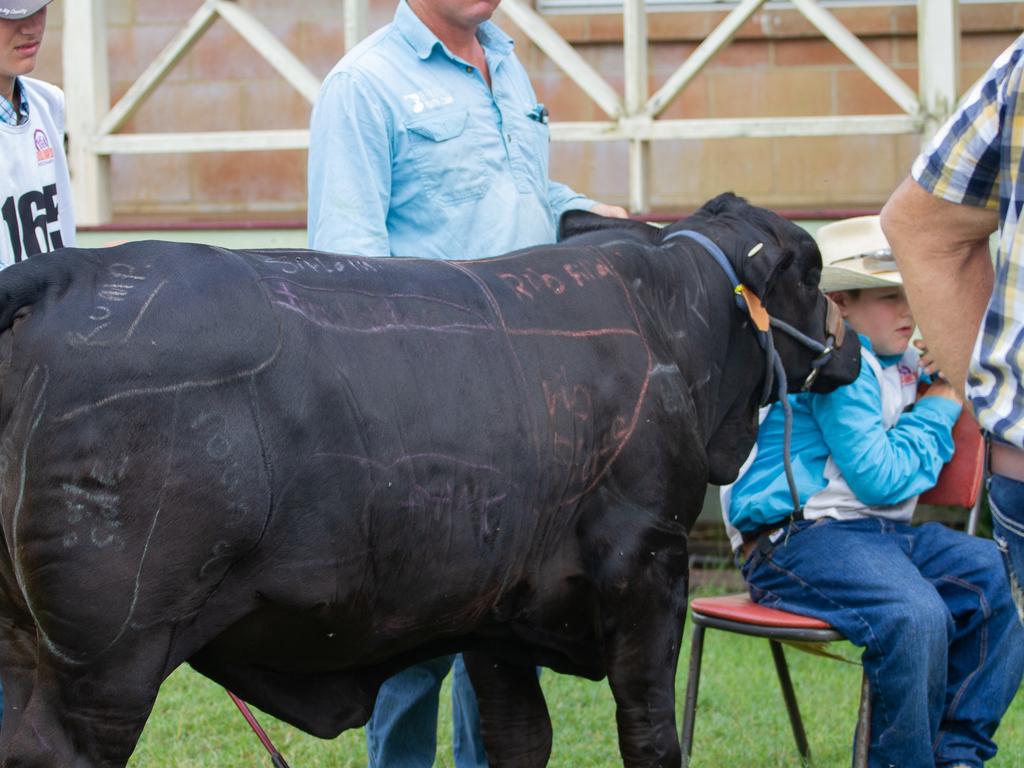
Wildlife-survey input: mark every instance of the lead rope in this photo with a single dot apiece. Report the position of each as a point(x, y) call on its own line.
point(773, 362)
point(787, 434)
point(276, 758)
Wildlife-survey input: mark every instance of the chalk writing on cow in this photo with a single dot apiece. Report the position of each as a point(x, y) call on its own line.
point(117, 305)
point(530, 283)
point(214, 432)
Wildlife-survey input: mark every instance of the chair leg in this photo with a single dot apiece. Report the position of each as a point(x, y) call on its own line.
point(789, 696)
point(692, 686)
point(972, 520)
point(862, 738)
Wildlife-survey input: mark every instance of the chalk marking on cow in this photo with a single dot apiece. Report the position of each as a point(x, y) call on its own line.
point(81, 339)
point(220, 448)
point(663, 369)
point(104, 523)
point(404, 459)
point(573, 334)
point(149, 536)
point(641, 396)
point(38, 408)
point(183, 386)
point(123, 271)
point(524, 388)
point(348, 290)
point(530, 283)
point(301, 261)
point(319, 314)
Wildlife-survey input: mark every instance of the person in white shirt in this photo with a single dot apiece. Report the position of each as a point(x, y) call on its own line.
point(36, 214)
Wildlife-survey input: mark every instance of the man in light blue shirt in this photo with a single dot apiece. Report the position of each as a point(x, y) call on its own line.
point(427, 140)
point(435, 149)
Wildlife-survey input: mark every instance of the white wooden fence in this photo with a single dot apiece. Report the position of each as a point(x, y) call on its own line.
point(632, 116)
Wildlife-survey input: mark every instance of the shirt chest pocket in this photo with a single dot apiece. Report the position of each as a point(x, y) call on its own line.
point(442, 151)
point(533, 145)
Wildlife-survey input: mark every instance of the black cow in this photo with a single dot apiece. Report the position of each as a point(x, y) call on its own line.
point(301, 472)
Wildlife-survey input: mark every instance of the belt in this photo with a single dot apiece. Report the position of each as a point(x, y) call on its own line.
point(1006, 460)
point(748, 547)
point(765, 537)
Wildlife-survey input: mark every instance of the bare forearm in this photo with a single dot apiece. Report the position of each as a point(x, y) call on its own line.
point(942, 251)
point(948, 298)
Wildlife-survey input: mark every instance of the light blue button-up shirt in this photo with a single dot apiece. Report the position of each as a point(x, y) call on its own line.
point(411, 154)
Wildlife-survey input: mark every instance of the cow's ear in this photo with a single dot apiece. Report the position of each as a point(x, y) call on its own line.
point(762, 264)
point(577, 222)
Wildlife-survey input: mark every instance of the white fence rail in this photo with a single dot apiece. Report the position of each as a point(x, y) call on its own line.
point(633, 116)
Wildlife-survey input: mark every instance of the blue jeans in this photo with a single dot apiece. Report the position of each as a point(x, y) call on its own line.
point(402, 731)
point(1006, 500)
point(943, 649)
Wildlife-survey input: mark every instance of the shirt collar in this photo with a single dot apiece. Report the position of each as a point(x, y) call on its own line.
point(423, 41)
point(884, 360)
point(8, 113)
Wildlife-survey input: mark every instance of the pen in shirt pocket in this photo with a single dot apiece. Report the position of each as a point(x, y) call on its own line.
point(539, 113)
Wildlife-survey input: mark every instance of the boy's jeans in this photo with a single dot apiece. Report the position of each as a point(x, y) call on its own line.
point(402, 731)
point(944, 651)
point(1006, 500)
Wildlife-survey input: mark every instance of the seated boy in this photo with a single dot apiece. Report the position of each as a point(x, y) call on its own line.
point(943, 648)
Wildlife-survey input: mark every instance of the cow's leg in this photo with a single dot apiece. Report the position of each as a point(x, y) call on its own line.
point(641, 657)
point(86, 715)
point(514, 718)
point(17, 668)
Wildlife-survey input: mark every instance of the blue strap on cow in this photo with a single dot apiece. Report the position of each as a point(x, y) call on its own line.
point(712, 247)
point(773, 363)
point(763, 338)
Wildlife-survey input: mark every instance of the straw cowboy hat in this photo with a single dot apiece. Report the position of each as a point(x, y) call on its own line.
point(855, 254)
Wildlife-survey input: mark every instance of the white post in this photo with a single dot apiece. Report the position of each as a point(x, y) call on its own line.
point(712, 44)
point(938, 45)
point(861, 55)
point(87, 91)
point(357, 19)
point(564, 55)
point(274, 52)
point(634, 41)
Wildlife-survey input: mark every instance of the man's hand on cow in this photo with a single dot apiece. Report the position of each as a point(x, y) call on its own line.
point(612, 211)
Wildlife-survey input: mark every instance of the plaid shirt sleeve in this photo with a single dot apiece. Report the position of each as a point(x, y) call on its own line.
point(962, 163)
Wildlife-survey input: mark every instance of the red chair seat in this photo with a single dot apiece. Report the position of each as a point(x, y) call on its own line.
point(742, 609)
point(959, 483)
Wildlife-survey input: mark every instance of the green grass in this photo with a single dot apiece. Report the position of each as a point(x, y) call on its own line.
point(741, 720)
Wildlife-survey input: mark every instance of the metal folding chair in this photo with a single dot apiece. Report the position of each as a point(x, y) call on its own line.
point(959, 485)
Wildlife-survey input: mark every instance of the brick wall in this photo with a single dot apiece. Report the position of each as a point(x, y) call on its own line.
point(777, 66)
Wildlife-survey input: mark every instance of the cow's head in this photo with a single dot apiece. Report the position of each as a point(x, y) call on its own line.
point(780, 264)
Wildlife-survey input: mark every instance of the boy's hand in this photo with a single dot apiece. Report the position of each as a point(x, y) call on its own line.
point(942, 388)
point(928, 363)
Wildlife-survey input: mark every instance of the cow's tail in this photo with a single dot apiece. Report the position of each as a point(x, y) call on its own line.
point(26, 283)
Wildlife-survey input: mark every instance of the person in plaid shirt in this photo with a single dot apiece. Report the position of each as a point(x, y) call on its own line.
point(966, 184)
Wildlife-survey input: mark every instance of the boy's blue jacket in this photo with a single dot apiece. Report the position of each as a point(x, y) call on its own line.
point(882, 467)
